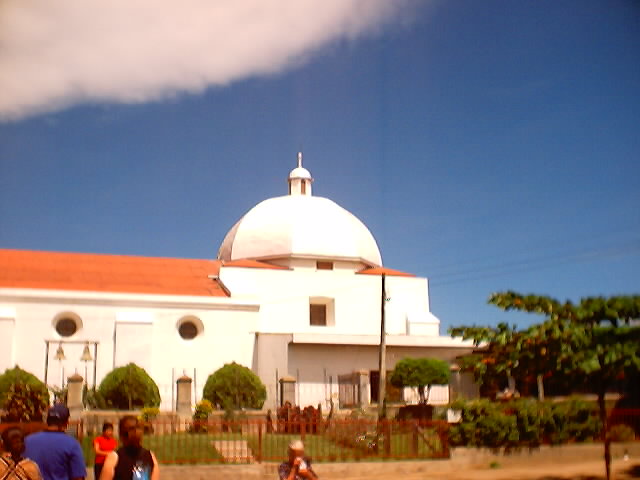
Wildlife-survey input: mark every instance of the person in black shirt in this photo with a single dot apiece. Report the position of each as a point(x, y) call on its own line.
point(131, 461)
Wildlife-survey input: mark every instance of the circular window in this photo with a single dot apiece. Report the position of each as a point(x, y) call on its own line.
point(66, 327)
point(188, 330)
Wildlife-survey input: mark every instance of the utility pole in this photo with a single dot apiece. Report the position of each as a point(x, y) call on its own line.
point(383, 355)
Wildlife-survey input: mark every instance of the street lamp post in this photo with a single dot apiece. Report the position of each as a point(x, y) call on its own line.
point(382, 360)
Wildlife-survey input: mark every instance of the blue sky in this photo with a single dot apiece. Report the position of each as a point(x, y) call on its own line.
point(487, 145)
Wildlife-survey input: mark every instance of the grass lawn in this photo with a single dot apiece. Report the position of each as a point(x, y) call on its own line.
point(176, 447)
point(198, 448)
point(318, 447)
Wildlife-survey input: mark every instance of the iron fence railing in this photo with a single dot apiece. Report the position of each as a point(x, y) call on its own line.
point(248, 441)
point(220, 440)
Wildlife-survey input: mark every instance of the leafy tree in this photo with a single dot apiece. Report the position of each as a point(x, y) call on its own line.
point(235, 386)
point(24, 403)
point(592, 342)
point(526, 356)
point(17, 376)
point(420, 373)
point(129, 387)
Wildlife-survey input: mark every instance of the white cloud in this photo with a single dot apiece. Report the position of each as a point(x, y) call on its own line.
point(55, 53)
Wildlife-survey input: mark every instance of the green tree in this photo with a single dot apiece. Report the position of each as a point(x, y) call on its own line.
point(235, 386)
point(420, 373)
point(129, 387)
point(592, 342)
point(525, 355)
point(17, 376)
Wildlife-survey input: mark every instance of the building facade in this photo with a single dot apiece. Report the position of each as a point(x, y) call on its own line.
point(295, 294)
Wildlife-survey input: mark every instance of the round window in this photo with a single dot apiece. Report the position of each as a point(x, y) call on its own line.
point(188, 330)
point(66, 327)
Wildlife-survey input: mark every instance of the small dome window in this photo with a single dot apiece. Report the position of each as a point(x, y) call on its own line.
point(66, 326)
point(190, 327)
point(188, 330)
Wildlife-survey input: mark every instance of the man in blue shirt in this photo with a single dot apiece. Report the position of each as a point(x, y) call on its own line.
point(57, 454)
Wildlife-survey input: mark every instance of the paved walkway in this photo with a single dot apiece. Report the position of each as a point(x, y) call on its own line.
point(234, 450)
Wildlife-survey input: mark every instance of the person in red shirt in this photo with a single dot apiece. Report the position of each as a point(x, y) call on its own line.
point(103, 445)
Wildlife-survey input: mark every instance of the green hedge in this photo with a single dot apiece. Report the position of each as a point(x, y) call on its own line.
point(523, 423)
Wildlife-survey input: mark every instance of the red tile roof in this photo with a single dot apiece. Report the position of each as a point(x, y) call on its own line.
point(386, 271)
point(108, 273)
point(252, 264)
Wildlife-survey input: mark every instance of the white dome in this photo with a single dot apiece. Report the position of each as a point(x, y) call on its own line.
point(300, 172)
point(300, 226)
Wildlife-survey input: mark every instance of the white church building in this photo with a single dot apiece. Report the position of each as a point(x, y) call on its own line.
point(294, 294)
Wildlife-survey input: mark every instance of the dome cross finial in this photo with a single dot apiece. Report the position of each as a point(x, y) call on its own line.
point(300, 179)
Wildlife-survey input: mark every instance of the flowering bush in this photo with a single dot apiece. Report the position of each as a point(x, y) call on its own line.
point(24, 403)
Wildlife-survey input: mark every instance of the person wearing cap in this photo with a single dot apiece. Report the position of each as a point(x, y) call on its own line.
point(13, 466)
point(57, 454)
point(298, 467)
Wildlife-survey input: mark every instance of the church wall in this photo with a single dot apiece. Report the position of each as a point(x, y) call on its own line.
point(147, 336)
point(271, 362)
point(7, 349)
point(285, 296)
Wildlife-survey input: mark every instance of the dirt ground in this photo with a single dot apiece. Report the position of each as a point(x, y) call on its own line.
point(590, 469)
point(577, 462)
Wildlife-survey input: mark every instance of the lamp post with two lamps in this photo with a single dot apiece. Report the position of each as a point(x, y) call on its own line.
point(60, 357)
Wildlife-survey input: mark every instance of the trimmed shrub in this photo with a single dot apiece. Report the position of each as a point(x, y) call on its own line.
point(24, 403)
point(235, 386)
point(201, 416)
point(129, 387)
point(147, 415)
point(573, 420)
point(484, 424)
point(17, 376)
point(523, 423)
point(203, 410)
